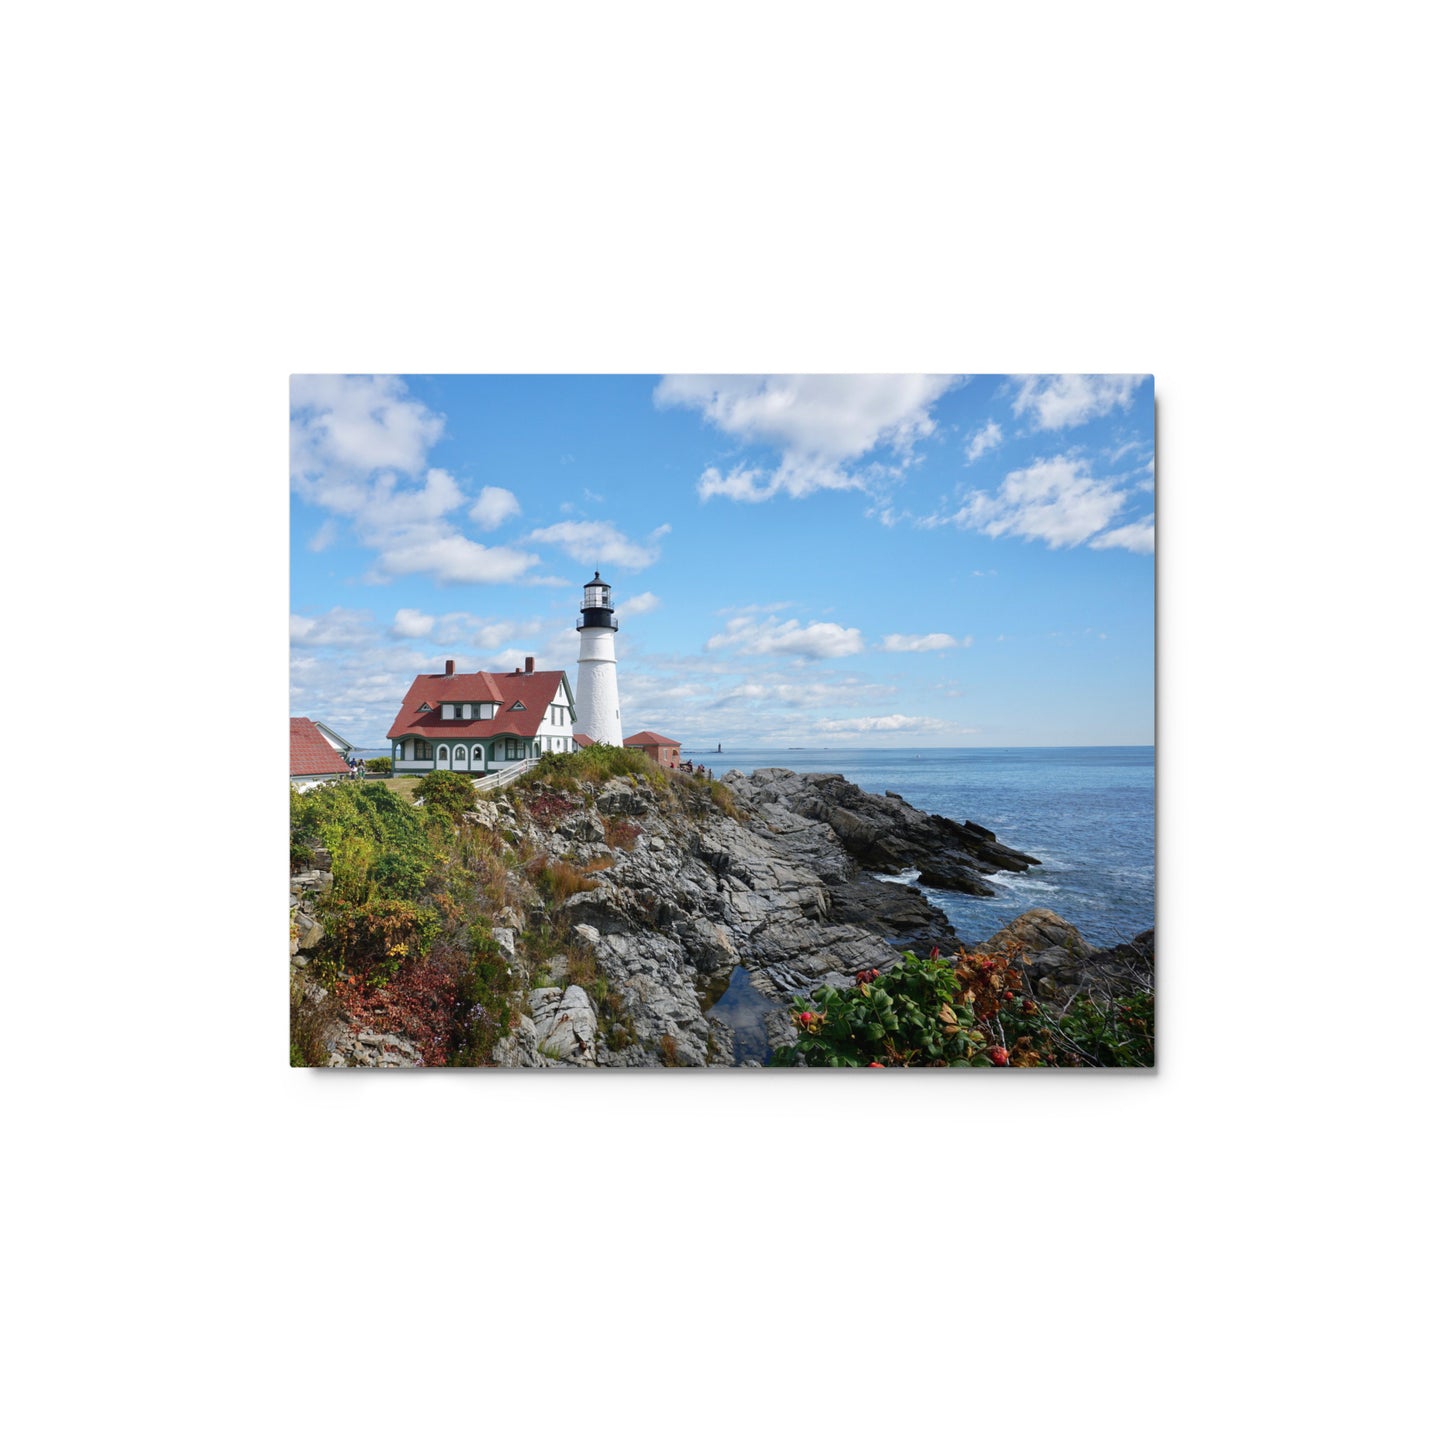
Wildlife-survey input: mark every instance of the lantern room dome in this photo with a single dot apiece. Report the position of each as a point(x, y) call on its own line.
point(597, 605)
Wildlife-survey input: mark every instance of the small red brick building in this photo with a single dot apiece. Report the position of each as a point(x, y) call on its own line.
point(666, 751)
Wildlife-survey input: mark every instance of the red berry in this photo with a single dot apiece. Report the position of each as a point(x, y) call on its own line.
point(1008, 993)
point(875, 1065)
point(999, 1055)
point(805, 1018)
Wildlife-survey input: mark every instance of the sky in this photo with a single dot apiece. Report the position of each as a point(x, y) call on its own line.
point(844, 561)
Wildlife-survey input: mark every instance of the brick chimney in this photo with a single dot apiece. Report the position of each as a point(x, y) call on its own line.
point(451, 666)
point(531, 663)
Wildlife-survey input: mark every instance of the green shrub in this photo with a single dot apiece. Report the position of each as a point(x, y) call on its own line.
point(372, 940)
point(1115, 1033)
point(368, 810)
point(911, 1016)
point(378, 765)
point(595, 765)
point(447, 792)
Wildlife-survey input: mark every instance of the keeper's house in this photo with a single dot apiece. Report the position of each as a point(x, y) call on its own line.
point(477, 722)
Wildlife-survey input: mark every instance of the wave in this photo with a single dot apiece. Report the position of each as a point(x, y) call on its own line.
point(909, 875)
point(1022, 883)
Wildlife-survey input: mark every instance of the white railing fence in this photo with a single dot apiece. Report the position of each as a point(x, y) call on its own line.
point(492, 781)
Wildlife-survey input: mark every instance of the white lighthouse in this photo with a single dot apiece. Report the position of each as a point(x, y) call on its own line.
point(599, 714)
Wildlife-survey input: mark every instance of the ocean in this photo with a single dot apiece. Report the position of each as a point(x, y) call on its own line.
point(1086, 813)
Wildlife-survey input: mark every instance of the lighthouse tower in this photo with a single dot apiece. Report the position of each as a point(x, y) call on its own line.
point(599, 714)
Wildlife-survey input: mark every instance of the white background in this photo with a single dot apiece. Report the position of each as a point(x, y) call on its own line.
point(206, 1245)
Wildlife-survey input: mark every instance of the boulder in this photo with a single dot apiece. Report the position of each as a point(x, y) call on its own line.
point(1035, 931)
point(955, 875)
point(307, 931)
point(566, 1026)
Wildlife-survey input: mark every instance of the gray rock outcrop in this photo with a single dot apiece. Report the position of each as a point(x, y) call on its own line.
point(885, 832)
point(782, 889)
point(1058, 964)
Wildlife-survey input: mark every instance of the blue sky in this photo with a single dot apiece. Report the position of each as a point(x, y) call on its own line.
point(889, 561)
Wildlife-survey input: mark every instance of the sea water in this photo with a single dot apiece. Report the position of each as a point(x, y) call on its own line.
point(1086, 813)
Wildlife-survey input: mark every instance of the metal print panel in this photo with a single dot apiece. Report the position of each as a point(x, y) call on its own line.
point(722, 721)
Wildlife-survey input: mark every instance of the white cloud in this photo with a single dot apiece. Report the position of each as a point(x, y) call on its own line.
point(984, 439)
point(819, 423)
point(453, 558)
point(493, 508)
point(492, 635)
point(893, 723)
point(597, 544)
point(1055, 501)
point(790, 638)
point(928, 642)
point(740, 485)
point(340, 627)
point(1059, 401)
point(792, 694)
point(408, 622)
point(355, 441)
point(636, 606)
point(344, 428)
point(385, 510)
point(1134, 537)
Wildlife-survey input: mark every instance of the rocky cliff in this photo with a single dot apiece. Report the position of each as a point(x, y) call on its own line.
point(779, 889)
point(692, 914)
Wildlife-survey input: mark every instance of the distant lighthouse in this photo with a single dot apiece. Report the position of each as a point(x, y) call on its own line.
point(599, 714)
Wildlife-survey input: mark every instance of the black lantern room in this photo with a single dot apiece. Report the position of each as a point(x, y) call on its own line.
point(597, 605)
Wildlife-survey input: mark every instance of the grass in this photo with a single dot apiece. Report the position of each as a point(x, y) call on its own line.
point(402, 787)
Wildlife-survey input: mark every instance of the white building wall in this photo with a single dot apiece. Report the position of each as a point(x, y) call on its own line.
point(556, 736)
point(599, 713)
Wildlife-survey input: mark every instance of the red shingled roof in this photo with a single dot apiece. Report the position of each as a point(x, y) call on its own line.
point(534, 690)
point(583, 741)
point(650, 740)
point(310, 752)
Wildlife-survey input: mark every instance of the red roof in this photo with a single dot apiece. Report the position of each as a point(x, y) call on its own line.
point(462, 687)
point(534, 690)
point(650, 740)
point(310, 752)
point(583, 741)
